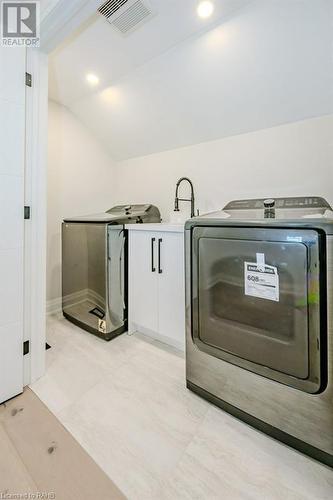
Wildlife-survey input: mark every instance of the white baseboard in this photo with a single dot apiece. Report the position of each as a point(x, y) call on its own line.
point(54, 306)
point(175, 343)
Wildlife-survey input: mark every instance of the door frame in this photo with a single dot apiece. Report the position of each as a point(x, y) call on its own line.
point(35, 227)
point(60, 20)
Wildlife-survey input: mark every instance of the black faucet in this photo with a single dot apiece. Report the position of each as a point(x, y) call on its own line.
point(177, 200)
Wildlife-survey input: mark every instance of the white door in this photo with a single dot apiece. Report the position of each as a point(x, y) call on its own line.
point(143, 277)
point(171, 288)
point(12, 148)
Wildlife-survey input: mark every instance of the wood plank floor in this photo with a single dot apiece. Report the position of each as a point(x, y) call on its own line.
point(39, 455)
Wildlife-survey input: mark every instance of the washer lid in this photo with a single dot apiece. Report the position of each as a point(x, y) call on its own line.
point(103, 217)
point(119, 214)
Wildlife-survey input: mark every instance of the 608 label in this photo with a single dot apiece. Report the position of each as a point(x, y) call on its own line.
point(253, 278)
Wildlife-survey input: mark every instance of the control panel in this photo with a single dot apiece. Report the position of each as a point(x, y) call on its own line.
point(303, 202)
point(129, 209)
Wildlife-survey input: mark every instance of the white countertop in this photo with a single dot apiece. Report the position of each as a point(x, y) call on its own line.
point(163, 227)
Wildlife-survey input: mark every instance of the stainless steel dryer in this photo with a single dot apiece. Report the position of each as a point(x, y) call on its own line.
point(259, 317)
point(94, 268)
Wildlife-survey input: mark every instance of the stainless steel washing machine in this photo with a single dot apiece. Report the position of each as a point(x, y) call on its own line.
point(259, 303)
point(94, 268)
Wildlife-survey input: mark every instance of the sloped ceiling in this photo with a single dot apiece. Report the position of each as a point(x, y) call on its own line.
point(101, 49)
point(179, 80)
point(46, 6)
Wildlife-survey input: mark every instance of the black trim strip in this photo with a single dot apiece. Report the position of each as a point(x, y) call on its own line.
point(264, 427)
point(3, 403)
point(125, 315)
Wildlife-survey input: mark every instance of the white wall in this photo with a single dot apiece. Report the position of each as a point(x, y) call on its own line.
point(80, 181)
point(289, 160)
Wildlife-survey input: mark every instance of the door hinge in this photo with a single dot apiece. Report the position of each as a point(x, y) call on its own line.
point(26, 347)
point(28, 80)
point(27, 212)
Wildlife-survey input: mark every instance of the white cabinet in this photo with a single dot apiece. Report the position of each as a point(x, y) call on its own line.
point(156, 283)
point(143, 280)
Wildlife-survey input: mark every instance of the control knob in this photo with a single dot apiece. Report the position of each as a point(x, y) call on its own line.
point(270, 203)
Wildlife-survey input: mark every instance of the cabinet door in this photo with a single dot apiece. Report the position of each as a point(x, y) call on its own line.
point(12, 146)
point(143, 280)
point(171, 293)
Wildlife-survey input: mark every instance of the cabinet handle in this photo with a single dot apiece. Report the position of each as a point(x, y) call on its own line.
point(153, 269)
point(159, 255)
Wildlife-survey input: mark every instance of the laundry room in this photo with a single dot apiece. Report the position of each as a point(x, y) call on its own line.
point(177, 298)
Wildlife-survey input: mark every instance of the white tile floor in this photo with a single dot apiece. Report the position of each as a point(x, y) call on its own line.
point(126, 403)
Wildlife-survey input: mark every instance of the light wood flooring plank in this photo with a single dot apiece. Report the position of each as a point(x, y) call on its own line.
point(52, 457)
point(14, 477)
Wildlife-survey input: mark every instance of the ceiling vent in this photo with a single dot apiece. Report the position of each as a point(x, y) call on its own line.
point(126, 15)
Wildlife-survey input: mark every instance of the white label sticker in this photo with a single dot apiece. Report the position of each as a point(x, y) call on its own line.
point(102, 325)
point(261, 281)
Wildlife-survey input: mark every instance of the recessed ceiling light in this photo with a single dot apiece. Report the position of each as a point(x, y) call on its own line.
point(110, 95)
point(205, 9)
point(92, 79)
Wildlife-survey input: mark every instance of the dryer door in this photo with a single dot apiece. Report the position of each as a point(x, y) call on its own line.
point(257, 301)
